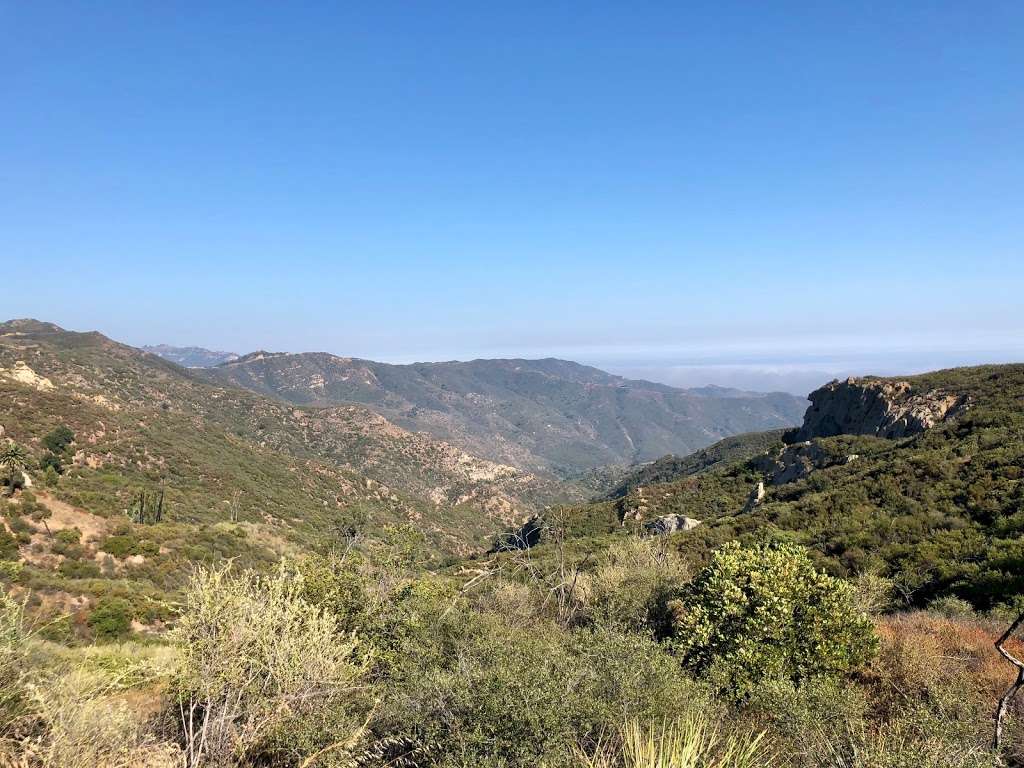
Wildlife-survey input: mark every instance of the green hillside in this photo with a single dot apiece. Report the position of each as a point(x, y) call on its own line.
point(235, 475)
point(940, 512)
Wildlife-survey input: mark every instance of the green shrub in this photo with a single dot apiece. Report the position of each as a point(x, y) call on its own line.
point(51, 477)
point(631, 590)
point(70, 551)
point(10, 570)
point(51, 464)
point(8, 545)
point(337, 586)
point(951, 607)
point(21, 529)
point(470, 689)
point(79, 569)
point(764, 612)
point(111, 619)
point(58, 439)
point(126, 545)
point(68, 535)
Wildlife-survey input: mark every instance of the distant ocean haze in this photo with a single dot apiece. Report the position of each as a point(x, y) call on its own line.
point(796, 375)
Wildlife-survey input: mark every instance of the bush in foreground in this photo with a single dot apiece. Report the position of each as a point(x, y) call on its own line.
point(766, 613)
point(266, 676)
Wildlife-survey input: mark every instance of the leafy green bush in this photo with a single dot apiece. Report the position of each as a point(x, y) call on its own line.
point(58, 439)
point(951, 607)
point(21, 529)
point(128, 544)
point(8, 545)
point(79, 569)
point(111, 619)
point(765, 612)
point(632, 588)
point(336, 585)
point(51, 477)
point(51, 463)
point(120, 545)
point(68, 535)
point(468, 688)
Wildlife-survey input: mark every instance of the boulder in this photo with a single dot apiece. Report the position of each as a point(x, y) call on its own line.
point(661, 526)
point(756, 497)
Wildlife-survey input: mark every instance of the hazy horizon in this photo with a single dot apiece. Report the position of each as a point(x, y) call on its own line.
point(739, 366)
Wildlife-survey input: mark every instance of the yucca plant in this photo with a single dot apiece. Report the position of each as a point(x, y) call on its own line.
point(689, 742)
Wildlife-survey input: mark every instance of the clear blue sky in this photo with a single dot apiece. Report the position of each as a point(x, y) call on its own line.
point(648, 183)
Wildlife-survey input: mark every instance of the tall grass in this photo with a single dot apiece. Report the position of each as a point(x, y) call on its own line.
point(693, 741)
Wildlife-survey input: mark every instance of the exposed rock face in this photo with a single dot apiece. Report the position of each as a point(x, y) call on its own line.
point(22, 374)
point(756, 497)
point(795, 462)
point(634, 507)
point(670, 524)
point(889, 409)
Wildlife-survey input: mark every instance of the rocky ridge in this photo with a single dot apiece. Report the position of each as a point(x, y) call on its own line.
point(884, 408)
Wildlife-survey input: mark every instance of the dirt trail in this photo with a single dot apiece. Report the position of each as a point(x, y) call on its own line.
point(63, 515)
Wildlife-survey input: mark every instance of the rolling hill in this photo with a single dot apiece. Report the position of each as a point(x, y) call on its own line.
point(144, 423)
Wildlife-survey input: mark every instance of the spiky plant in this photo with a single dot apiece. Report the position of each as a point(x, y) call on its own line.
point(13, 457)
point(689, 742)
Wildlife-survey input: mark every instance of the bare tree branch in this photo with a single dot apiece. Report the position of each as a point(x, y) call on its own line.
point(1007, 697)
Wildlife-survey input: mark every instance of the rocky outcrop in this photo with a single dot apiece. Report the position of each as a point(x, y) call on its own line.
point(795, 462)
point(889, 409)
point(755, 498)
point(22, 374)
point(662, 526)
point(633, 507)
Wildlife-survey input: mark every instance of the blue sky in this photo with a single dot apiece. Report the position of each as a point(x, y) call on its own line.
point(697, 191)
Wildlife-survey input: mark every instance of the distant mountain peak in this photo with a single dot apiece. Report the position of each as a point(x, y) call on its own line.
point(191, 357)
point(252, 357)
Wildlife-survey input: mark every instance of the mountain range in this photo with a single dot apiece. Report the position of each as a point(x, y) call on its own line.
point(544, 415)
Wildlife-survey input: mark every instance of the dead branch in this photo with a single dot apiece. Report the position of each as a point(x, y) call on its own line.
point(1007, 697)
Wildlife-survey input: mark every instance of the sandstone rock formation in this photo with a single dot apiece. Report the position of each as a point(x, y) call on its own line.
point(756, 497)
point(795, 462)
point(22, 374)
point(889, 409)
point(662, 526)
point(634, 507)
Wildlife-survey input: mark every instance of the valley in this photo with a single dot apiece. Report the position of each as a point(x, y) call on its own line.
point(545, 415)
